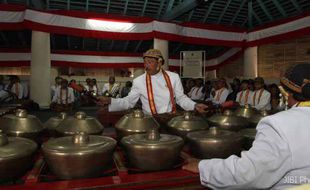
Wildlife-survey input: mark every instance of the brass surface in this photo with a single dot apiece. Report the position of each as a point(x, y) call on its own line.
point(79, 156)
point(214, 143)
point(182, 125)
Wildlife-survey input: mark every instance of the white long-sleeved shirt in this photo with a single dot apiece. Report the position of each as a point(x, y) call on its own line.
point(261, 102)
point(160, 91)
point(196, 93)
point(62, 100)
point(220, 96)
point(279, 158)
point(17, 89)
point(245, 99)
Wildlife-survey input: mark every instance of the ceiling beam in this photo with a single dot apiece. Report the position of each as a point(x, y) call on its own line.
point(4, 38)
point(280, 8)
point(169, 6)
point(177, 48)
point(261, 4)
point(83, 43)
point(87, 5)
point(182, 8)
point(111, 45)
point(22, 38)
point(68, 42)
point(144, 8)
point(250, 14)
point(108, 6)
point(38, 4)
point(126, 45)
point(138, 45)
point(257, 18)
point(160, 9)
point(68, 5)
point(126, 7)
point(223, 12)
point(190, 15)
point(98, 44)
point(237, 12)
point(208, 11)
point(296, 5)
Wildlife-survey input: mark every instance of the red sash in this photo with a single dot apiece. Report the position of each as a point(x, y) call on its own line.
point(246, 96)
point(219, 94)
point(260, 95)
point(150, 93)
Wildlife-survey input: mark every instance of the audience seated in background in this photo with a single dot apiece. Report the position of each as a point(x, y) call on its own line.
point(207, 90)
point(63, 98)
point(15, 87)
point(260, 98)
point(111, 89)
point(244, 96)
point(91, 85)
point(196, 93)
point(126, 89)
point(55, 86)
point(235, 88)
point(190, 83)
point(221, 92)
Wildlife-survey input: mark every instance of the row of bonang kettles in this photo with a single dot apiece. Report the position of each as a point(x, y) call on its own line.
point(78, 149)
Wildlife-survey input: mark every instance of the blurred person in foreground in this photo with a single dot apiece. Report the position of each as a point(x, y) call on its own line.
point(279, 157)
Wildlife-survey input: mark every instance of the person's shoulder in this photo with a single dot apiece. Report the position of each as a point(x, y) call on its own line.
point(172, 74)
point(139, 80)
point(286, 115)
point(266, 91)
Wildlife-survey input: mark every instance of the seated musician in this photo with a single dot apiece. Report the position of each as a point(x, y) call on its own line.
point(63, 98)
point(221, 92)
point(15, 88)
point(111, 89)
point(279, 157)
point(197, 93)
point(260, 98)
point(158, 90)
point(243, 97)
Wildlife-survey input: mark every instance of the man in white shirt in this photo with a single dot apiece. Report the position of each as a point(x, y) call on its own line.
point(279, 157)
point(63, 98)
point(15, 87)
point(260, 98)
point(111, 89)
point(221, 92)
point(55, 86)
point(91, 86)
point(158, 90)
point(196, 92)
point(244, 96)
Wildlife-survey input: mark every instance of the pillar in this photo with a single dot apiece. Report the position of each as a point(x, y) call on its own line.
point(40, 69)
point(54, 74)
point(250, 62)
point(163, 46)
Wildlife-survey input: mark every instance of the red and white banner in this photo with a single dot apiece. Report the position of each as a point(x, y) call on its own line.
point(13, 58)
point(94, 25)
